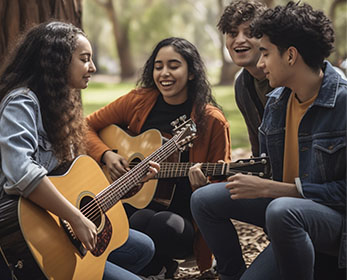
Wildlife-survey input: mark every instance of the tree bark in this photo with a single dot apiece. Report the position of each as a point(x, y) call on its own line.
point(121, 35)
point(17, 16)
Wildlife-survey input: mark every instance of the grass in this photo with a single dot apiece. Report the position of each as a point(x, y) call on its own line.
point(99, 94)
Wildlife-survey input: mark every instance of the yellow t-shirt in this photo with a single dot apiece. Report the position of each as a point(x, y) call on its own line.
point(295, 112)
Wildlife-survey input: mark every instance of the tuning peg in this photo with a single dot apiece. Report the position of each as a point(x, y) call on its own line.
point(174, 123)
point(183, 118)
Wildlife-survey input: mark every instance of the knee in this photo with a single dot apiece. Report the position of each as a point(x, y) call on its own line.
point(204, 198)
point(279, 215)
point(197, 200)
point(148, 247)
point(141, 219)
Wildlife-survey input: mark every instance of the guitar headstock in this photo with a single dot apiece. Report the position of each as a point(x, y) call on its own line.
point(258, 166)
point(185, 133)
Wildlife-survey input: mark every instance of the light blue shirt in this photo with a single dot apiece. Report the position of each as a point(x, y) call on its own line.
point(25, 152)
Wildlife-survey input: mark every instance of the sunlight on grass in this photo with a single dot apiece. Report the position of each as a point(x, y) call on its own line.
point(100, 94)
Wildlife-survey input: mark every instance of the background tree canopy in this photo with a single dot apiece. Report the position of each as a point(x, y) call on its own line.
point(124, 32)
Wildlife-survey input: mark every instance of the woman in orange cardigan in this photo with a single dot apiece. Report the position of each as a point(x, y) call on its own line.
point(173, 83)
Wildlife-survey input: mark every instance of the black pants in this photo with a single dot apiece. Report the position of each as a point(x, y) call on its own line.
point(172, 234)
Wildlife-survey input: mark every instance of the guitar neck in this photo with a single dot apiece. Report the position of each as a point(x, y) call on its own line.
point(254, 166)
point(180, 169)
point(114, 192)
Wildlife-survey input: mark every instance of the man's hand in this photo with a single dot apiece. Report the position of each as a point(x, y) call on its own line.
point(246, 186)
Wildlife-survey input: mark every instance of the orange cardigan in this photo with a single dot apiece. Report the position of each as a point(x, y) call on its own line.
point(131, 110)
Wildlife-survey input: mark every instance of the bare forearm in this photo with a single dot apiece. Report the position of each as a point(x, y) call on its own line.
point(246, 187)
point(279, 189)
point(49, 198)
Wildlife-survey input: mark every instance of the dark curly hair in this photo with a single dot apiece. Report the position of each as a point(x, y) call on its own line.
point(309, 31)
point(40, 62)
point(199, 89)
point(238, 12)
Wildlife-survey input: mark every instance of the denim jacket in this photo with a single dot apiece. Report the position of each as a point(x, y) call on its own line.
point(321, 139)
point(26, 154)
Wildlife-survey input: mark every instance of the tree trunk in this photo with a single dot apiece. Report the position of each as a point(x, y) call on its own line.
point(332, 14)
point(18, 15)
point(121, 35)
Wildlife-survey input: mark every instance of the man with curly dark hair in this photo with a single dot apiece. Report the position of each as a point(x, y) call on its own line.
point(251, 86)
point(304, 133)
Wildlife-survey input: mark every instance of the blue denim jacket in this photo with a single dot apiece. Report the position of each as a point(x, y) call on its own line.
point(322, 141)
point(25, 152)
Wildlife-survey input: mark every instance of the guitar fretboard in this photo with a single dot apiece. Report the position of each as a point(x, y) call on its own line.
point(180, 169)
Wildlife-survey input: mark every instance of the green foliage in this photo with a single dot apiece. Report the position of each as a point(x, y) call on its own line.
point(100, 94)
point(153, 20)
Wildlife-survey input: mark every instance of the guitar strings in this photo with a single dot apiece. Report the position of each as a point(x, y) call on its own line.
point(93, 211)
point(93, 208)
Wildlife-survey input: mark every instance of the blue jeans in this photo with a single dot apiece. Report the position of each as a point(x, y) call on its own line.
point(212, 209)
point(129, 259)
point(299, 227)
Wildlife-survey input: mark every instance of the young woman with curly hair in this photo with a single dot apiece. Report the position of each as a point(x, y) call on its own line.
point(42, 130)
point(173, 83)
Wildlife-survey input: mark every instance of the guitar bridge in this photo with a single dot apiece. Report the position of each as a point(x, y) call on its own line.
point(78, 244)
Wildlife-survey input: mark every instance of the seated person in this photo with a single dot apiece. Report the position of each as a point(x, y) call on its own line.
point(50, 66)
point(304, 208)
point(173, 84)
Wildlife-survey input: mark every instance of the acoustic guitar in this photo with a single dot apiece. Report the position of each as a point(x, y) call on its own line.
point(135, 148)
point(36, 244)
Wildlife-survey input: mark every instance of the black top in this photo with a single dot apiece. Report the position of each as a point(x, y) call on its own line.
point(160, 117)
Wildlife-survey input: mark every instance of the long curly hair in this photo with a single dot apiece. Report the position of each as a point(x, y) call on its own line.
point(238, 12)
point(309, 31)
point(199, 89)
point(40, 62)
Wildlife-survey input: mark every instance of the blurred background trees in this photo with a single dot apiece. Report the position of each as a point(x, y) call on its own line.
point(138, 25)
point(123, 33)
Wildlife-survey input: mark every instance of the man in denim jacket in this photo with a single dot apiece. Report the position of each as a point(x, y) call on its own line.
point(304, 133)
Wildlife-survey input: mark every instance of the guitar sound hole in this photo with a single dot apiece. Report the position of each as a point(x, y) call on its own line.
point(91, 210)
point(135, 189)
point(134, 162)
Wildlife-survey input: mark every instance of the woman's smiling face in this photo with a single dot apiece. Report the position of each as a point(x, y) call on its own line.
point(171, 75)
